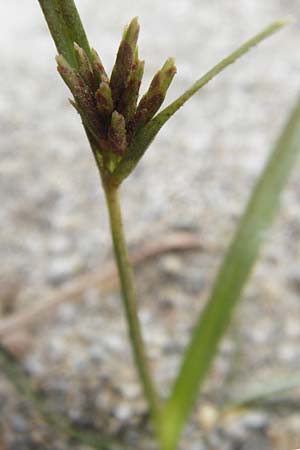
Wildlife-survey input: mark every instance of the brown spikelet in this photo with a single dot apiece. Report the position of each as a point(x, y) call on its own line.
point(124, 60)
point(117, 134)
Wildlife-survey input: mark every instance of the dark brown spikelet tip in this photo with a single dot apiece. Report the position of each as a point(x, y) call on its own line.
point(68, 74)
point(124, 60)
point(146, 110)
point(84, 66)
point(117, 134)
point(128, 101)
point(98, 69)
point(104, 100)
point(154, 97)
point(167, 74)
point(83, 96)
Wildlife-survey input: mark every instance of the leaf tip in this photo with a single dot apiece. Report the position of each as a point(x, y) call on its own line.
point(282, 23)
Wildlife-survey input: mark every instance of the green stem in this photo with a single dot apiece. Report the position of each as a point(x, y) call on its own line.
point(129, 299)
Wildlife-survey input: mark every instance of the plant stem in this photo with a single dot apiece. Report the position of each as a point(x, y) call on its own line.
point(129, 300)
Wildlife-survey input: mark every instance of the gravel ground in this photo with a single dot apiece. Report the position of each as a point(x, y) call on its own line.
point(196, 176)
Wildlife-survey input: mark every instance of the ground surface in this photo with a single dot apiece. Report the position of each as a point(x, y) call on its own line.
point(196, 177)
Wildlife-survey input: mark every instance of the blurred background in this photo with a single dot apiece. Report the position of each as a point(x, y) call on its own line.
point(193, 182)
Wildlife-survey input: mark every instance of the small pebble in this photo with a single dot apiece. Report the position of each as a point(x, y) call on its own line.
point(171, 265)
point(63, 268)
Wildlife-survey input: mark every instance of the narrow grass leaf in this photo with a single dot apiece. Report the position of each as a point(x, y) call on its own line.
point(74, 25)
point(230, 281)
point(65, 27)
point(144, 138)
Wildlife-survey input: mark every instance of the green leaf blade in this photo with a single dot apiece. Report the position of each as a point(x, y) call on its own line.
point(74, 25)
point(230, 281)
point(65, 26)
point(223, 64)
point(148, 133)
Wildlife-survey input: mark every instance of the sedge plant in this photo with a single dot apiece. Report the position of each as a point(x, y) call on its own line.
point(120, 127)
